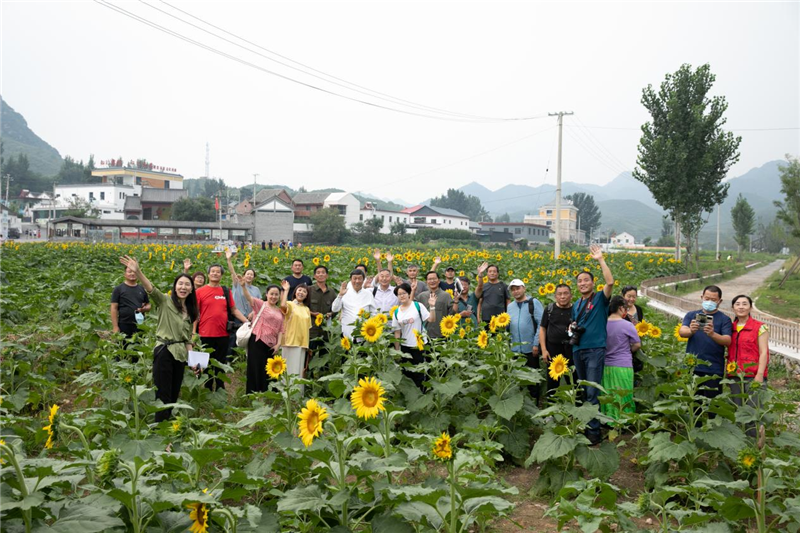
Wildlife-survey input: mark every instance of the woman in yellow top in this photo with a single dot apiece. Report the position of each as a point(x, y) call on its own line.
point(296, 328)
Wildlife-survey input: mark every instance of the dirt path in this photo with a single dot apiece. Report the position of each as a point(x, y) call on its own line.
point(744, 284)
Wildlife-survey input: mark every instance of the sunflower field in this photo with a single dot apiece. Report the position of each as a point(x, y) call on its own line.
point(362, 448)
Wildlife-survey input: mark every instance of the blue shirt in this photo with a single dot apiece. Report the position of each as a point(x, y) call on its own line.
point(593, 315)
point(704, 346)
point(522, 326)
point(471, 301)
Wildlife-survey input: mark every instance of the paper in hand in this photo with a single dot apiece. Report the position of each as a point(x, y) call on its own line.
point(198, 358)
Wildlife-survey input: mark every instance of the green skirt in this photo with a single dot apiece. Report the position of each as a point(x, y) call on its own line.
point(618, 381)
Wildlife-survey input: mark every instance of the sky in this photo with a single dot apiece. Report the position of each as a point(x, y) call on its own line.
point(91, 80)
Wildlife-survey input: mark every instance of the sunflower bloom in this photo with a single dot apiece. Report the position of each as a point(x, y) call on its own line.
point(448, 325)
point(483, 340)
point(731, 368)
point(275, 260)
point(372, 330)
point(52, 428)
point(367, 398)
point(380, 317)
point(315, 261)
point(462, 333)
point(690, 360)
point(503, 320)
point(748, 459)
point(276, 366)
point(310, 424)
point(558, 367)
point(542, 291)
point(493, 324)
point(318, 320)
point(420, 340)
point(199, 517)
point(450, 292)
point(441, 447)
point(642, 328)
point(677, 334)
point(326, 258)
point(654, 332)
point(345, 343)
point(550, 288)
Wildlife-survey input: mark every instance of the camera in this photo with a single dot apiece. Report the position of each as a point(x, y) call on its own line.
point(575, 332)
point(703, 319)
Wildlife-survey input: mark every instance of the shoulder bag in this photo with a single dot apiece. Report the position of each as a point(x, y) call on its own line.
point(246, 330)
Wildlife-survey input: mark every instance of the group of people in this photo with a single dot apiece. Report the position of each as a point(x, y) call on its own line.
point(596, 332)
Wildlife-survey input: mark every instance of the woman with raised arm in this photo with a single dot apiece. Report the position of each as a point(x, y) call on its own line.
point(296, 329)
point(176, 315)
point(265, 339)
point(409, 329)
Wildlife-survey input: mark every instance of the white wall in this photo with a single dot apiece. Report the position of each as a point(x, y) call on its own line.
point(439, 221)
point(107, 198)
point(389, 218)
point(351, 204)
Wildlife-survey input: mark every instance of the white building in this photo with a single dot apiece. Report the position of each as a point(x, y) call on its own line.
point(568, 221)
point(427, 216)
point(388, 217)
point(623, 240)
point(107, 198)
point(308, 203)
point(9, 221)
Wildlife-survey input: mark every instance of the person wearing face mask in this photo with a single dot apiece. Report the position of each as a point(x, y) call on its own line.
point(238, 286)
point(709, 333)
point(265, 339)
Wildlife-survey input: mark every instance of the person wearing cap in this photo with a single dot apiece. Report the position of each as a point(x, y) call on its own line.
point(467, 302)
point(526, 315)
point(450, 282)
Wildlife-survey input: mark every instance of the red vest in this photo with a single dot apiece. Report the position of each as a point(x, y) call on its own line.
point(744, 348)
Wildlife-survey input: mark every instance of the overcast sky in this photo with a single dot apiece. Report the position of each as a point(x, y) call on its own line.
point(90, 80)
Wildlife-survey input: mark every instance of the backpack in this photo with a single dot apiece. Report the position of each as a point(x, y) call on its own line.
point(231, 326)
point(533, 318)
point(416, 304)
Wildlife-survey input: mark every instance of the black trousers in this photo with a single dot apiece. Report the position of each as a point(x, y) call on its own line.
point(257, 355)
point(417, 357)
point(167, 377)
point(219, 352)
point(128, 329)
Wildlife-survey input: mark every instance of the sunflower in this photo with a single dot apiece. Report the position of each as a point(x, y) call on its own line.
point(318, 320)
point(748, 459)
point(502, 320)
point(690, 360)
point(363, 313)
point(345, 343)
point(450, 292)
point(199, 516)
point(372, 330)
point(2, 443)
point(275, 260)
point(486, 279)
point(542, 291)
point(483, 340)
point(550, 288)
point(276, 366)
point(462, 333)
point(510, 273)
point(315, 261)
point(380, 317)
point(493, 324)
point(461, 273)
point(393, 309)
point(525, 281)
point(107, 464)
point(677, 334)
point(367, 398)
point(326, 258)
point(558, 367)
point(731, 368)
point(654, 332)
point(448, 325)
point(311, 418)
point(441, 447)
point(52, 428)
point(643, 328)
point(600, 287)
point(420, 340)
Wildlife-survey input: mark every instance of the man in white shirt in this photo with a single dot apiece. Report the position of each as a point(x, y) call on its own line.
point(352, 300)
point(383, 292)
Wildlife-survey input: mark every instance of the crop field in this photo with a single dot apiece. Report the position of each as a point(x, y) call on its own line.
point(362, 448)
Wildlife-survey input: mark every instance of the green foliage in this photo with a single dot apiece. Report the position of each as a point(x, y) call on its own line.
point(589, 214)
point(19, 140)
point(199, 209)
point(466, 204)
point(744, 221)
point(434, 234)
point(684, 154)
point(789, 208)
point(505, 217)
point(328, 226)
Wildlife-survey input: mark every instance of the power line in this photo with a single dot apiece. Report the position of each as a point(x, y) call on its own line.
point(593, 138)
point(593, 153)
point(460, 160)
point(226, 55)
point(344, 83)
point(733, 129)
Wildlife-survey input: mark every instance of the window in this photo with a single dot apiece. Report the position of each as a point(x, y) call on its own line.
point(549, 223)
point(102, 195)
point(517, 231)
point(549, 212)
point(419, 220)
point(390, 219)
point(91, 196)
point(342, 209)
point(505, 230)
point(382, 219)
point(529, 231)
point(433, 220)
point(361, 217)
point(166, 184)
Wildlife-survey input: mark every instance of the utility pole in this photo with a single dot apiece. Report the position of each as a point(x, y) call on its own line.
point(255, 179)
point(8, 187)
point(557, 241)
point(208, 162)
point(716, 256)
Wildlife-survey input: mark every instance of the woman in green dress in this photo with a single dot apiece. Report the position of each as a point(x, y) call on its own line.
point(176, 315)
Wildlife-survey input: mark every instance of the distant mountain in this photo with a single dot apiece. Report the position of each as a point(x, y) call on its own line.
point(633, 216)
point(18, 138)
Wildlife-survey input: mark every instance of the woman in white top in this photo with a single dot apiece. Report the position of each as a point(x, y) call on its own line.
point(407, 323)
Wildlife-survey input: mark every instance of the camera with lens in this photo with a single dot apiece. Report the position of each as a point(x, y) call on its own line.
point(703, 319)
point(575, 332)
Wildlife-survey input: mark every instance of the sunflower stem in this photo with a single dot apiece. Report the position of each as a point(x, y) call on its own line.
point(23, 488)
point(88, 454)
point(453, 512)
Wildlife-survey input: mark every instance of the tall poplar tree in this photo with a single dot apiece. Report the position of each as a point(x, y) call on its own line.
point(744, 222)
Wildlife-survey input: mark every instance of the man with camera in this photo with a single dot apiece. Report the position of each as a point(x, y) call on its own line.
point(709, 332)
point(588, 332)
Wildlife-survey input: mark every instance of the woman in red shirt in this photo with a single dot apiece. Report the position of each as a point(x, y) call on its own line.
point(748, 353)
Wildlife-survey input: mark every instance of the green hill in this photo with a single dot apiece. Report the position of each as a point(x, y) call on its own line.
point(632, 216)
point(18, 138)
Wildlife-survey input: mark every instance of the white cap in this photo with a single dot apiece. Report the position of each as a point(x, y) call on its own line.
point(516, 282)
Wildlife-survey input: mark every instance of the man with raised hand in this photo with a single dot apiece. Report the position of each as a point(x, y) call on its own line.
point(128, 299)
point(383, 292)
point(445, 305)
point(588, 332)
point(351, 301)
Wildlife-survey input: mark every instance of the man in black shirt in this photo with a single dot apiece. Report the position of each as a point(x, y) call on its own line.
point(553, 337)
point(320, 302)
point(450, 282)
point(297, 278)
point(492, 295)
point(127, 299)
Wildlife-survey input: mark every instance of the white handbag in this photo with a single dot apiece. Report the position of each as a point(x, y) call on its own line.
point(246, 330)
